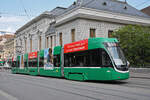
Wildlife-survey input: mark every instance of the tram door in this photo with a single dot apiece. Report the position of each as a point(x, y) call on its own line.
point(62, 62)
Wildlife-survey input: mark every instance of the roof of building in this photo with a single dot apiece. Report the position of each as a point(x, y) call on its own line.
point(56, 11)
point(51, 29)
point(7, 36)
point(10, 40)
point(146, 10)
point(114, 6)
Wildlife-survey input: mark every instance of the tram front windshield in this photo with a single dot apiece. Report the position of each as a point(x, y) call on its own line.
point(117, 55)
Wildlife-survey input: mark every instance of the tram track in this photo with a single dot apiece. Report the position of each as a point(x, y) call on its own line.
point(74, 86)
point(114, 90)
point(137, 86)
point(98, 92)
point(56, 89)
point(127, 84)
point(78, 94)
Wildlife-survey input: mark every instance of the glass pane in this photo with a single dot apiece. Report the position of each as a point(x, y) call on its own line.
point(41, 62)
point(56, 60)
point(89, 58)
point(117, 55)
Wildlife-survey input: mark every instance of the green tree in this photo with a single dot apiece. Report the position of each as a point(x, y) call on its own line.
point(135, 42)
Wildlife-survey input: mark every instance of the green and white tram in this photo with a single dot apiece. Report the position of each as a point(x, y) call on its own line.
point(89, 59)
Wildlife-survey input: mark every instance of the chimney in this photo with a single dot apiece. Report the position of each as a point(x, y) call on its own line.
point(125, 1)
point(79, 2)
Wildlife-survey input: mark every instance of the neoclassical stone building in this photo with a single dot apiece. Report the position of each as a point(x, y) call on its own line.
point(96, 18)
point(9, 48)
point(35, 35)
point(83, 19)
point(6, 43)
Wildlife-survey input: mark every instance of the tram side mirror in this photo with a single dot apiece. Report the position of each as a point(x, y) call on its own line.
point(128, 63)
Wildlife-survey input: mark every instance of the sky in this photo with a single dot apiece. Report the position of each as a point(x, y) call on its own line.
point(16, 13)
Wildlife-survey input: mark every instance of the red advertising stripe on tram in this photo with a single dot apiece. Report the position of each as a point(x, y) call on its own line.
point(33, 55)
point(76, 46)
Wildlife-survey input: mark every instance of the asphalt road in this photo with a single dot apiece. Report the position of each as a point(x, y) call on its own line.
point(24, 87)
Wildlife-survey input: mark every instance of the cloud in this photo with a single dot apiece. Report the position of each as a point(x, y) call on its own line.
point(10, 19)
point(8, 29)
point(12, 23)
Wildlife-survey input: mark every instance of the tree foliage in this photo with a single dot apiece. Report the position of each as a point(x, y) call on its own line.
point(135, 42)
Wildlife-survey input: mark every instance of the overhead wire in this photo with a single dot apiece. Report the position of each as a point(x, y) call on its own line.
point(25, 9)
point(16, 14)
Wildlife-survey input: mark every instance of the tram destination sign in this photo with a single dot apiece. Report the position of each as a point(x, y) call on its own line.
point(76, 46)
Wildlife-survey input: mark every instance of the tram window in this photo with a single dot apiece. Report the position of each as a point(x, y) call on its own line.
point(106, 62)
point(30, 63)
point(1, 64)
point(18, 63)
point(9, 63)
point(89, 58)
point(56, 60)
point(25, 64)
point(41, 62)
point(33, 62)
point(95, 58)
point(13, 63)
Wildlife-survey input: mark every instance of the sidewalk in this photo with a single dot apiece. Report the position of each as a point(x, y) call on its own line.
point(140, 75)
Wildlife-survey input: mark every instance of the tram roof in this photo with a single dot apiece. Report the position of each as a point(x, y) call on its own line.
point(92, 43)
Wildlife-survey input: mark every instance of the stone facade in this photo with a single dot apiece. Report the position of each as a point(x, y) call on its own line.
point(9, 48)
point(3, 39)
point(37, 34)
point(50, 36)
point(77, 22)
point(82, 29)
point(33, 33)
point(146, 10)
point(85, 15)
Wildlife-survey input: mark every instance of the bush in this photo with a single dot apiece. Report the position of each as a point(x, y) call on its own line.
point(135, 42)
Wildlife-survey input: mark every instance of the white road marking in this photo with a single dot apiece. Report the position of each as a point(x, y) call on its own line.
point(8, 96)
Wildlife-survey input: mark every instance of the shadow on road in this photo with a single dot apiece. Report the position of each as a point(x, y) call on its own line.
point(116, 82)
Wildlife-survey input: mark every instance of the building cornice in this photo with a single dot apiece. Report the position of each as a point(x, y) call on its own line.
point(43, 15)
point(101, 15)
